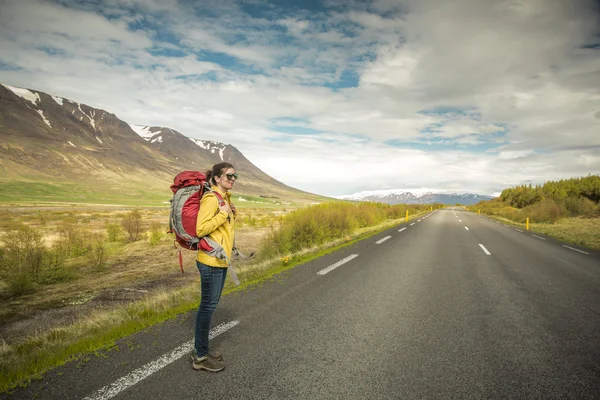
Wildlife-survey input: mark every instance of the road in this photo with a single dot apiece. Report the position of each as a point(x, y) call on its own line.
point(453, 305)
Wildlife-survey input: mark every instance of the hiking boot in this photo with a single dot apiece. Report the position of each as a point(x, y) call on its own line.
point(213, 354)
point(208, 363)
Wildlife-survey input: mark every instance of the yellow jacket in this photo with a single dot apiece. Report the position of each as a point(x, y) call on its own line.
point(215, 224)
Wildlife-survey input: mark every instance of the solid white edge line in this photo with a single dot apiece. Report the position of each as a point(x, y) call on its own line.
point(412, 224)
point(134, 377)
point(337, 264)
point(539, 237)
point(383, 240)
point(466, 228)
point(484, 249)
point(572, 248)
point(400, 230)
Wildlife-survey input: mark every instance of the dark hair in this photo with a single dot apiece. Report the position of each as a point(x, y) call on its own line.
point(217, 170)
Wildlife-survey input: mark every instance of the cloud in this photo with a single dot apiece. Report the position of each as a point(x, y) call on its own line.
point(457, 95)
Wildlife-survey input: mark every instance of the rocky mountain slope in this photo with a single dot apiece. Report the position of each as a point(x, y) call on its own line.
point(47, 138)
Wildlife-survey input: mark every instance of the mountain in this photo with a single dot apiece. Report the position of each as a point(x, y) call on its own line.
point(399, 196)
point(50, 140)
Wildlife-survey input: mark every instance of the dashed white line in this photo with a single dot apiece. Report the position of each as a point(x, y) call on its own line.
point(460, 220)
point(506, 225)
point(466, 228)
point(337, 264)
point(484, 249)
point(400, 230)
point(412, 224)
point(383, 240)
point(419, 221)
point(518, 230)
point(539, 237)
point(572, 248)
point(134, 377)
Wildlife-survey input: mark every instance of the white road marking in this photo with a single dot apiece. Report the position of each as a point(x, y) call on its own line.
point(466, 228)
point(419, 221)
point(134, 377)
point(539, 237)
point(400, 230)
point(484, 249)
point(460, 220)
point(572, 248)
point(337, 264)
point(518, 230)
point(383, 240)
point(506, 225)
point(412, 224)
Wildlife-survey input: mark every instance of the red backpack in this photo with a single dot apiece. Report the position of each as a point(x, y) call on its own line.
point(188, 188)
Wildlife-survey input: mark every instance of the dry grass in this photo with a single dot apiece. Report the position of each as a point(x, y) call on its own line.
point(583, 232)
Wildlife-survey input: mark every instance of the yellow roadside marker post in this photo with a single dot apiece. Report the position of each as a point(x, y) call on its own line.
point(527, 224)
point(431, 208)
point(406, 215)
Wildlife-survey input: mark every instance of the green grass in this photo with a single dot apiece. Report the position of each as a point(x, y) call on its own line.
point(36, 355)
point(23, 192)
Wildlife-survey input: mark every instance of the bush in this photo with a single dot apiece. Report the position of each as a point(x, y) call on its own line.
point(97, 253)
point(22, 259)
point(544, 211)
point(580, 206)
point(113, 232)
point(132, 224)
point(315, 225)
point(73, 239)
point(157, 232)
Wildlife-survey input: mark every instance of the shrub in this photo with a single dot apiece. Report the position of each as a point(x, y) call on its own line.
point(580, 206)
point(544, 211)
point(73, 239)
point(97, 253)
point(22, 259)
point(113, 232)
point(157, 232)
point(132, 224)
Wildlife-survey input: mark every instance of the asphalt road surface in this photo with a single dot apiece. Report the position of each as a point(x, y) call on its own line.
point(451, 306)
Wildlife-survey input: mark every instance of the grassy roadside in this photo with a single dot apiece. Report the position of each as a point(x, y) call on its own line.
point(584, 232)
point(99, 331)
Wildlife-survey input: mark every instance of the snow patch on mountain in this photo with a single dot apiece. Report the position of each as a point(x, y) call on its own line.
point(143, 131)
point(211, 146)
point(88, 116)
point(44, 117)
point(59, 100)
point(24, 94)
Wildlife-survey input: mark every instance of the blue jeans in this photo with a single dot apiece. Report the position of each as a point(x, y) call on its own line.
point(212, 280)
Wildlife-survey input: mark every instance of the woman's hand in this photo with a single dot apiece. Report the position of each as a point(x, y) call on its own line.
point(225, 208)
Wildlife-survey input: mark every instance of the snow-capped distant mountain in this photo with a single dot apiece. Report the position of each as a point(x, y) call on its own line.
point(416, 196)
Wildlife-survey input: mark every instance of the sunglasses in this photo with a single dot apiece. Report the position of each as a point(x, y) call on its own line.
point(231, 177)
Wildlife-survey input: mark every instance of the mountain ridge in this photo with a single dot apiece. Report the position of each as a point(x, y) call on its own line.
point(47, 138)
point(422, 196)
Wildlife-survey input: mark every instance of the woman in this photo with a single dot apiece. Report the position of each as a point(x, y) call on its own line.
point(215, 224)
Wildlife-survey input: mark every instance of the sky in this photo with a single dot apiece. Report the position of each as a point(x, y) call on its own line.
point(335, 96)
